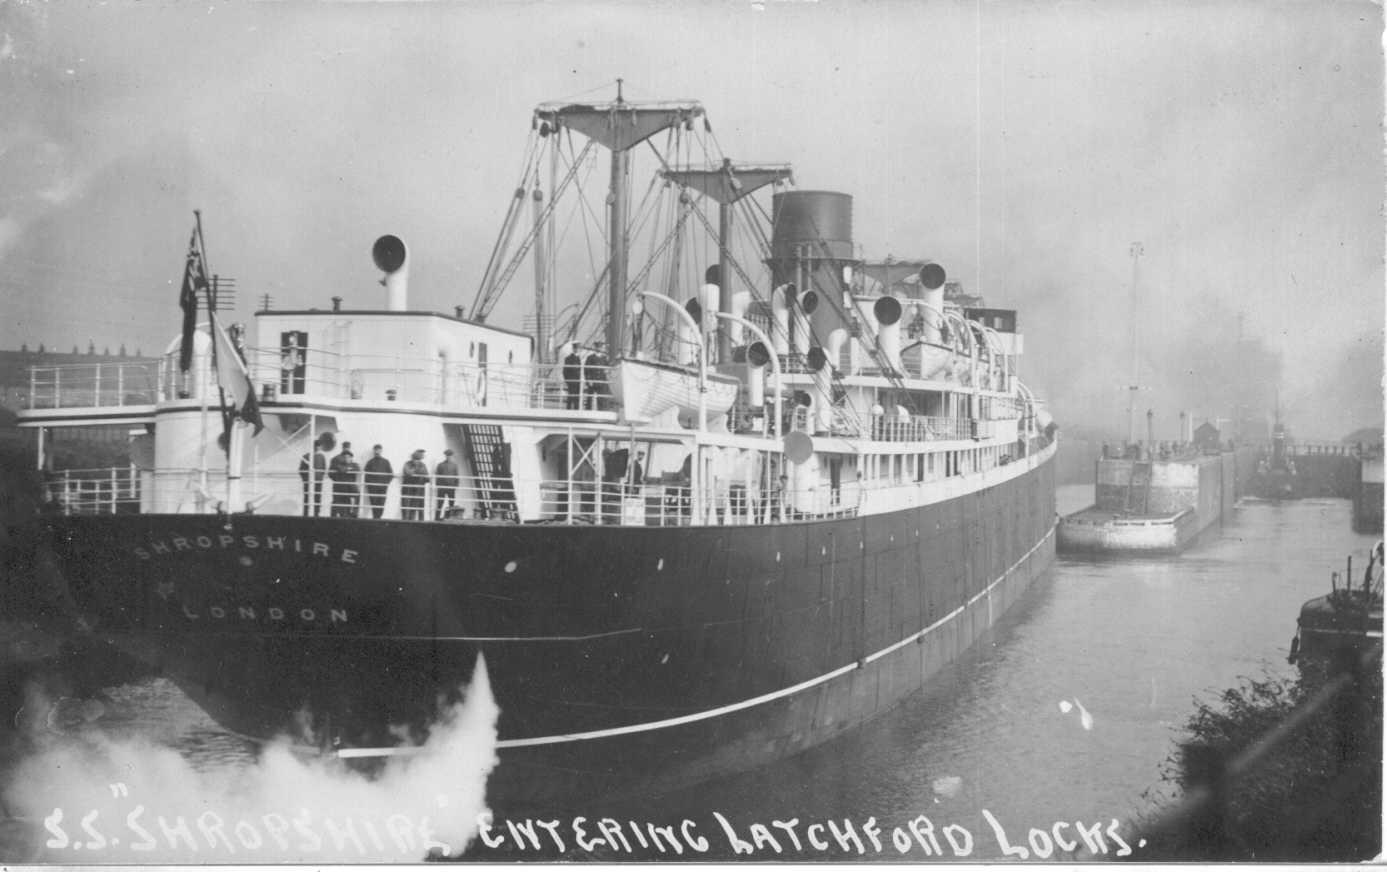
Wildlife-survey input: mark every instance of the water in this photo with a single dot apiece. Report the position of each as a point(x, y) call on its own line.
point(1132, 642)
point(1068, 713)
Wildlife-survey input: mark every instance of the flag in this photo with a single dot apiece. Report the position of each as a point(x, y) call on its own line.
point(194, 280)
point(234, 380)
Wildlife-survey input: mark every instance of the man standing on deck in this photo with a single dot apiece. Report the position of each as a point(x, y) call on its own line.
point(637, 475)
point(378, 475)
point(412, 484)
point(573, 377)
point(446, 481)
point(595, 378)
point(312, 469)
point(343, 483)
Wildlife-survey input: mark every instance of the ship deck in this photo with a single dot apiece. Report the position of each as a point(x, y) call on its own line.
point(1096, 516)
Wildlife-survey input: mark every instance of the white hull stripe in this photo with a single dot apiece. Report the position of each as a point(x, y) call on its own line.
point(732, 707)
point(773, 695)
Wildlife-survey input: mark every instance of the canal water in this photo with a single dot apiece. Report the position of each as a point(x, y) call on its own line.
point(1063, 722)
point(1069, 714)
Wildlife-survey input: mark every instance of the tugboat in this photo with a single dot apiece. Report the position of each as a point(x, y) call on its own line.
point(1275, 478)
point(1349, 618)
point(706, 516)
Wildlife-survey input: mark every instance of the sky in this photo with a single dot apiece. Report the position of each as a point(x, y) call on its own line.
point(1025, 145)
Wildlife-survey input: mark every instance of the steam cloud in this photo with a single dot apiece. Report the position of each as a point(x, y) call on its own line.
point(100, 799)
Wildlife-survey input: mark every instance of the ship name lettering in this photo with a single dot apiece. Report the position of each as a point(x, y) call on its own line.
point(247, 542)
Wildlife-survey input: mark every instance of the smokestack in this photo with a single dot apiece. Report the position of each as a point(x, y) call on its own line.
point(887, 311)
point(392, 258)
point(834, 346)
point(781, 299)
point(741, 301)
point(757, 356)
point(817, 363)
point(932, 284)
point(800, 311)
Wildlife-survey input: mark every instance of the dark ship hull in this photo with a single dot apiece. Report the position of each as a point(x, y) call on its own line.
point(1330, 626)
point(1277, 484)
point(621, 658)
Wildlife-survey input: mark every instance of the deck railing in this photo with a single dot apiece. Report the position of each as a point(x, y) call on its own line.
point(88, 385)
point(94, 491)
point(407, 379)
point(655, 502)
point(658, 501)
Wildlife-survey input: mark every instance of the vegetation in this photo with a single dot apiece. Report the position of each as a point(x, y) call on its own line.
point(1314, 796)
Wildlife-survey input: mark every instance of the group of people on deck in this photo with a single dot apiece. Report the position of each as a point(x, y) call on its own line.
point(348, 477)
point(585, 375)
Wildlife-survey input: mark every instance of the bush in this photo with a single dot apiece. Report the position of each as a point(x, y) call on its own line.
point(1314, 796)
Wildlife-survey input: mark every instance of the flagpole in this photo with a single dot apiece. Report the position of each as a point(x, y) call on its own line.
point(229, 424)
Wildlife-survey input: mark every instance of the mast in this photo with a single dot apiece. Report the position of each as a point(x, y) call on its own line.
point(541, 270)
point(618, 126)
point(616, 290)
point(726, 185)
point(1136, 251)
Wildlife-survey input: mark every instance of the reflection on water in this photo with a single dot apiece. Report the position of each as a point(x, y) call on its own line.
point(1065, 715)
point(1129, 641)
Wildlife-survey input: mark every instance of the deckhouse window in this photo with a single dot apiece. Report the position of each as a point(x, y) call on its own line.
point(293, 361)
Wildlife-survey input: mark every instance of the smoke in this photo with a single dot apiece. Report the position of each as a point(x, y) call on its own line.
point(102, 799)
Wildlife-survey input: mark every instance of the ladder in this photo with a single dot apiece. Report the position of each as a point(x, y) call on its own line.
point(487, 454)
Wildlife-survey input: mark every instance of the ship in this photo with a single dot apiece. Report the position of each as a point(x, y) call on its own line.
point(717, 510)
point(1154, 499)
point(1345, 622)
point(1276, 477)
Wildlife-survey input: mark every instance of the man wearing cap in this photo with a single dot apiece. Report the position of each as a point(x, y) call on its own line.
point(446, 483)
point(637, 475)
point(343, 471)
point(595, 378)
point(312, 468)
point(573, 377)
point(415, 476)
point(378, 475)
